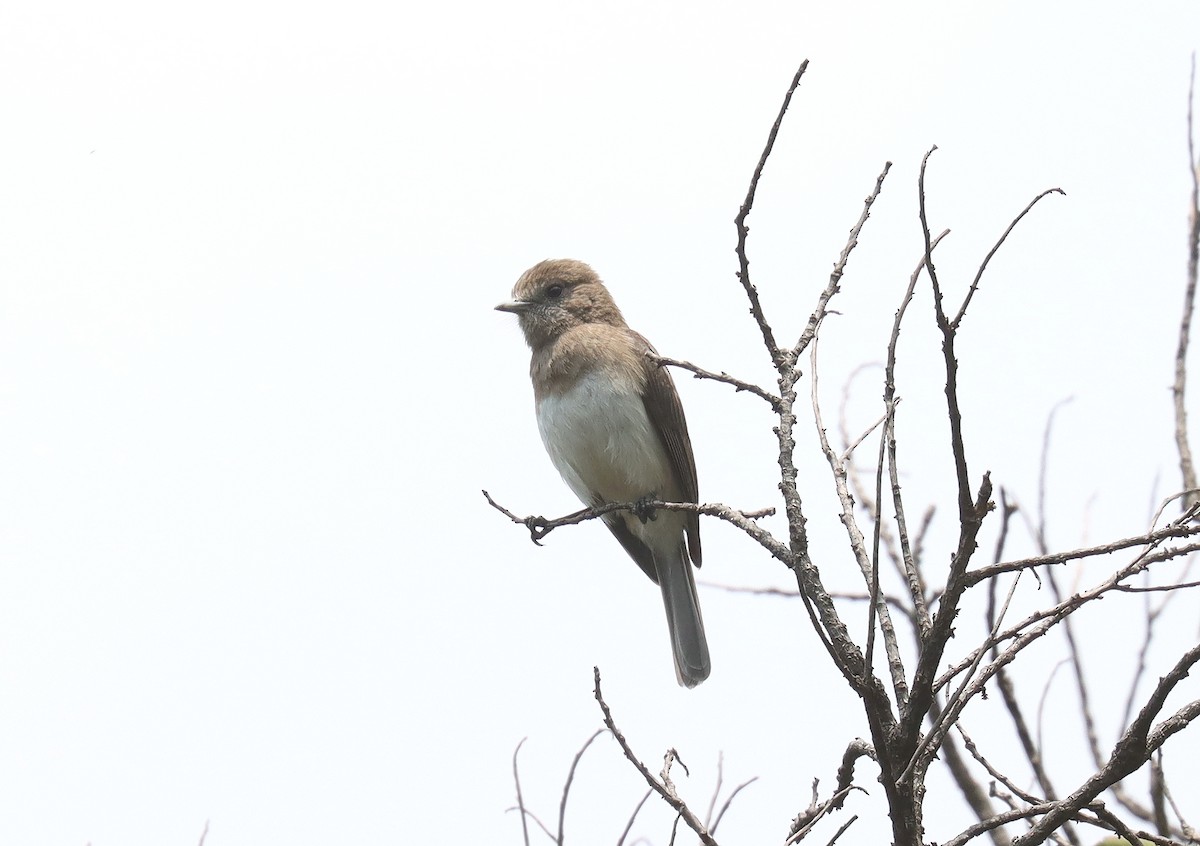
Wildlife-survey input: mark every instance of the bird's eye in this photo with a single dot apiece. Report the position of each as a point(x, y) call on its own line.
point(554, 291)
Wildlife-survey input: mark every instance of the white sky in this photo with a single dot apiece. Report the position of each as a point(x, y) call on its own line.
point(251, 384)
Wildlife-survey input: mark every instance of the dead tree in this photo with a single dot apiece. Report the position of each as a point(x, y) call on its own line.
point(914, 707)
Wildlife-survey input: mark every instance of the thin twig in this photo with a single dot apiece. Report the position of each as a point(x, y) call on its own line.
point(1114, 821)
point(1151, 615)
point(539, 527)
point(989, 571)
point(842, 830)
point(777, 356)
point(912, 575)
point(712, 803)
point(1185, 828)
point(520, 798)
point(1040, 622)
point(804, 823)
point(1158, 800)
point(1081, 685)
point(839, 268)
point(1133, 749)
point(848, 452)
point(954, 704)
point(1186, 466)
point(562, 806)
point(729, 801)
point(700, 373)
point(983, 266)
point(971, 746)
point(970, 787)
point(970, 511)
point(984, 826)
point(894, 602)
point(1171, 588)
point(858, 547)
point(668, 795)
point(873, 586)
point(1043, 465)
point(633, 816)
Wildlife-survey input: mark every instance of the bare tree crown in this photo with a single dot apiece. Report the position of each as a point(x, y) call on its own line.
point(916, 695)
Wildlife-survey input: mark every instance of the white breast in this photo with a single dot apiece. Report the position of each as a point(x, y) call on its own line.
point(602, 442)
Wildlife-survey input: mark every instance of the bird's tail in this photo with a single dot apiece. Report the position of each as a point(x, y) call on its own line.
point(678, 585)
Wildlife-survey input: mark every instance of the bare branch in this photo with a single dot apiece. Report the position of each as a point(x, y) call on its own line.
point(1185, 828)
point(954, 704)
point(839, 268)
point(1152, 614)
point(857, 748)
point(1039, 623)
point(674, 831)
point(1115, 823)
point(894, 602)
point(815, 807)
point(633, 816)
point(848, 452)
point(916, 587)
point(1171, 589)
point(709, 818)
point(1043, 466)
point(712, 803)
point(1189, 511)
point(982, 267)
point(729, 801)
point(985, 826)
point(1186, 466)
point(803, 824)
point(1133, 750)
point(562, 806)
point(971, 789)
point(923, 687)
point(1174, 530)
point(1158, 799)
point(866, 563)
point(520, 798)
point(777, 356)
point(1081, 686)
point(701, 373)
point(665, 790)
point(873, 582)
point(1024, 795)
point(970, 512)
point(842, 830)
point(539, 527)
point(1008, 694)
point(669, 758)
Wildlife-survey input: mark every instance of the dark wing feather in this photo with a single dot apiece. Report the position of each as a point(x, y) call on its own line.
point(637, 550)
point(666, 413)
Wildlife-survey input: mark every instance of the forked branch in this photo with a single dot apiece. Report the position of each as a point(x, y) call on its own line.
point(664, 788)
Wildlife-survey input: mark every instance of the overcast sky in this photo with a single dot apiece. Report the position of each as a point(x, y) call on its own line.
point(251, 384)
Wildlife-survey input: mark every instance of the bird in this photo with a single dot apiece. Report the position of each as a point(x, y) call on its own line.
point(613, 426)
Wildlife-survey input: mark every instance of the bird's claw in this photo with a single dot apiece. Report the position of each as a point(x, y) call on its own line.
point(643, 510)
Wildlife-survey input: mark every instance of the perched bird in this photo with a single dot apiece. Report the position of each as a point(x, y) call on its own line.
point(613, 425)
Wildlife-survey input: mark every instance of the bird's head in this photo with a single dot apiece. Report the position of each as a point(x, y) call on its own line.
point(557, 295)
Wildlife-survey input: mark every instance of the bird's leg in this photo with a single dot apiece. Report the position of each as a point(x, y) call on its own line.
point(643, 510)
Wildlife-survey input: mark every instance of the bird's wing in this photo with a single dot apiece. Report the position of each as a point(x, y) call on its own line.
point(637, 549)
point(666, 413)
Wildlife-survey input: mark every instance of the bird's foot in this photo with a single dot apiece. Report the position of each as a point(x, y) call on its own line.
point(643, 510)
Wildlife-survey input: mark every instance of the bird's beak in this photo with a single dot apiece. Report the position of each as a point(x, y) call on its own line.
point(515, 306)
